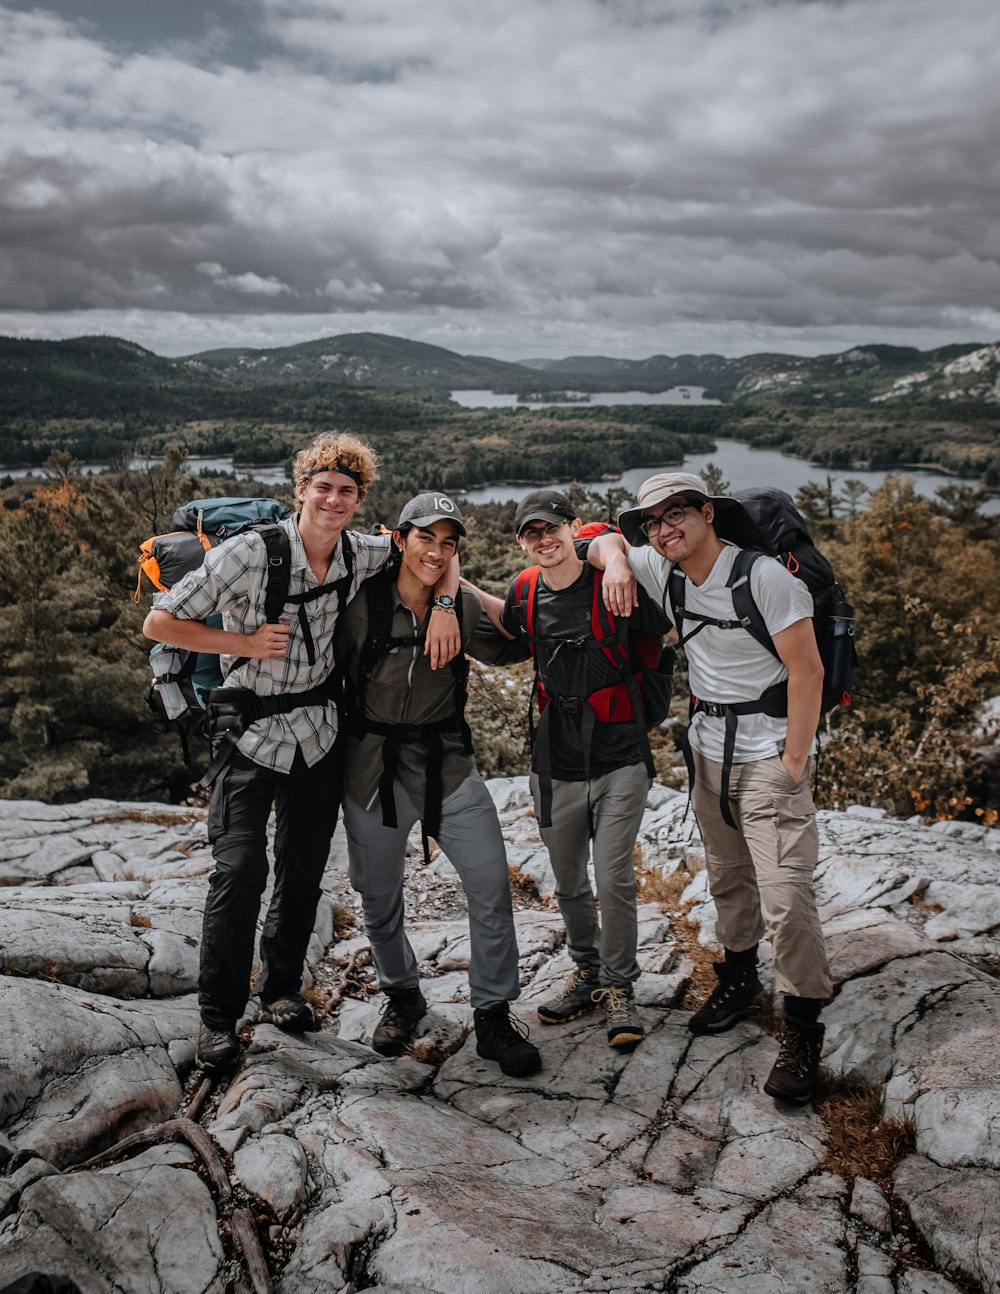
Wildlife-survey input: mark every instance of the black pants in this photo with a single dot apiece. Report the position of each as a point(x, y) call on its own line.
point(306, 802)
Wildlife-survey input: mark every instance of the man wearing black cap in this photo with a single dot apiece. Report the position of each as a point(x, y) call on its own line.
point(751, 794)
point(591, 766)
point(409, 757)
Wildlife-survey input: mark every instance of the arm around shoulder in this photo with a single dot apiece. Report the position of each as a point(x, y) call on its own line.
point(609, 553)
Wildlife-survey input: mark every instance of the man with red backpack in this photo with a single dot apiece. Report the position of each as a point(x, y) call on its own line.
point(755, 711)
point(591, 763)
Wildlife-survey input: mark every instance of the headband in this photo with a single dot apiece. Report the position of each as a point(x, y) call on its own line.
point(338, 467)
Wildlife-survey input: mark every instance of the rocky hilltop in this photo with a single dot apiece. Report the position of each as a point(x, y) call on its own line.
point(323, 1167)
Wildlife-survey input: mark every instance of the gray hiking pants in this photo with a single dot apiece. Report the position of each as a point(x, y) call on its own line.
point(602, 815)
point(470, 836)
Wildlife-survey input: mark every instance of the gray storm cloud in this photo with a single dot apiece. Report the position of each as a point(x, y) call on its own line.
point(610, 173)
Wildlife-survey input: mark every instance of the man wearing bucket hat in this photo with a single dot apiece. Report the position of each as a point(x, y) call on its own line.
point(409, 757)
point(754, 809)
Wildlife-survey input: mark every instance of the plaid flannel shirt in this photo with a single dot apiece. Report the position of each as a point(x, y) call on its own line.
point(232, 582)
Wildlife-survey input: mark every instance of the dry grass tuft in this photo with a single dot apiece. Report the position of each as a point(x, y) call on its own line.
point(344, 922)
point(666, 890)
point(139, 921)
point(524, 891)
point(922, 905)
point(862, 1142)
point(157, 819)
point(435, 1051)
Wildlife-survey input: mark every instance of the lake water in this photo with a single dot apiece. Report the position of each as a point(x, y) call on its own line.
point(492, 400)
point(271, 475)
point(742, 467)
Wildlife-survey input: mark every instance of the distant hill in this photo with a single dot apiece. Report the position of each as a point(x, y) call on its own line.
point(364, 359)
point(109, 377)
point(860, 375)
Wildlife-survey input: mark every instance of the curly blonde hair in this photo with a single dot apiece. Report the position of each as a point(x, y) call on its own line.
point(333, 450)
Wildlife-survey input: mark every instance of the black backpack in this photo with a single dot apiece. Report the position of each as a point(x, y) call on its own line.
point(783, 535)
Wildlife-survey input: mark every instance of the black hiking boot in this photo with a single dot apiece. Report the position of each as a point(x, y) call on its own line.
point(575, 998)
point(403, 1012)
point(793, 1077)
point(218, 1049)
point(730, 1000)
point(503, 1038)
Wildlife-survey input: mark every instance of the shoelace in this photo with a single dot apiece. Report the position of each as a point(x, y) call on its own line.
point(725, 990)
point(794, 1054)
point(504, 1025)
point(575, 981)
point(615, 1001)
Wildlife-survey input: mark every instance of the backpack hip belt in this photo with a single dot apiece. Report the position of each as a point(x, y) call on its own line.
point(378, 643)
point(773, 702)
point(232, 710)
point(395, 735)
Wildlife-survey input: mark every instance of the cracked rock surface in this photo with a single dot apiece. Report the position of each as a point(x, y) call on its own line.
point(664, 1169)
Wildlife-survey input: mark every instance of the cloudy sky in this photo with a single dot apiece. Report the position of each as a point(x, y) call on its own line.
point(506, 177)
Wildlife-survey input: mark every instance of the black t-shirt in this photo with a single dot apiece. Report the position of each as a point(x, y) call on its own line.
point(562, 617)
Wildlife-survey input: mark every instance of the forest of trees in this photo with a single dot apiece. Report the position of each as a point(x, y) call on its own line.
point(923, 575)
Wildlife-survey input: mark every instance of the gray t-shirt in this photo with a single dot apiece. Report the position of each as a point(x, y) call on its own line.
point(727, 665)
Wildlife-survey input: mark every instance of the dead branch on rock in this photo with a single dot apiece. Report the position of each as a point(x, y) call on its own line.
point(184, 1129)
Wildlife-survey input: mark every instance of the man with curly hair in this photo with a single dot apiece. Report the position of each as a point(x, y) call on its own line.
point(285, 750)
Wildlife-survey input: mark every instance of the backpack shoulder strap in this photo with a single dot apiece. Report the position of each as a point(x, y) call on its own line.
point(673, 599)
point(602, 626)
point(746, 609)
point(279, 573)
point(525, 594)
point(378, 639)
point(343, 585)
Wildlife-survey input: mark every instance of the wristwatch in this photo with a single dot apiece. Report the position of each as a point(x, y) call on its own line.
point(444, 601)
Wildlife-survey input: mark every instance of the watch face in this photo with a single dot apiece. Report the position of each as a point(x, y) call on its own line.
point(444, 600)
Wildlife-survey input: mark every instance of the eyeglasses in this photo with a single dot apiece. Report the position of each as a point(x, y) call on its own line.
point(535, 533)
point(672, 517)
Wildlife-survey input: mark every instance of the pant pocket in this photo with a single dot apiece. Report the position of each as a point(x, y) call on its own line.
point(218, 807)
point(795, 829)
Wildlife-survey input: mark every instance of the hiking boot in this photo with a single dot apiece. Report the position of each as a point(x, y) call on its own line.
point(503, 1038)
point(576, 997)
point(730, 1000)
point(403, 1012)
point(620, 1015)
point(793, 1077)
point(291, 1013)
point(218, 1049)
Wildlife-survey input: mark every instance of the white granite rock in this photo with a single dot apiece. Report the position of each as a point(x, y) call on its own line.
point(663, 1169)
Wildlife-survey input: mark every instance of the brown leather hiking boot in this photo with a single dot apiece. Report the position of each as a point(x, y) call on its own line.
point(218, 1049)
point(793, 1077)
point(400, 1017)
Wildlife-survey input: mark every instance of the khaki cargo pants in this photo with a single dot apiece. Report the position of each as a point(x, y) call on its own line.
point(761, 875)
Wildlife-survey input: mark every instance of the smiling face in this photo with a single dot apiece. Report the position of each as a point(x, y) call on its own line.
point(548, 543)
point(425, 551)
point(687, 531)
point(329, 501)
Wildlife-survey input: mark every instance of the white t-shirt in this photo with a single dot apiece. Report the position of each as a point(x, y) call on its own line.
point(727, 665)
